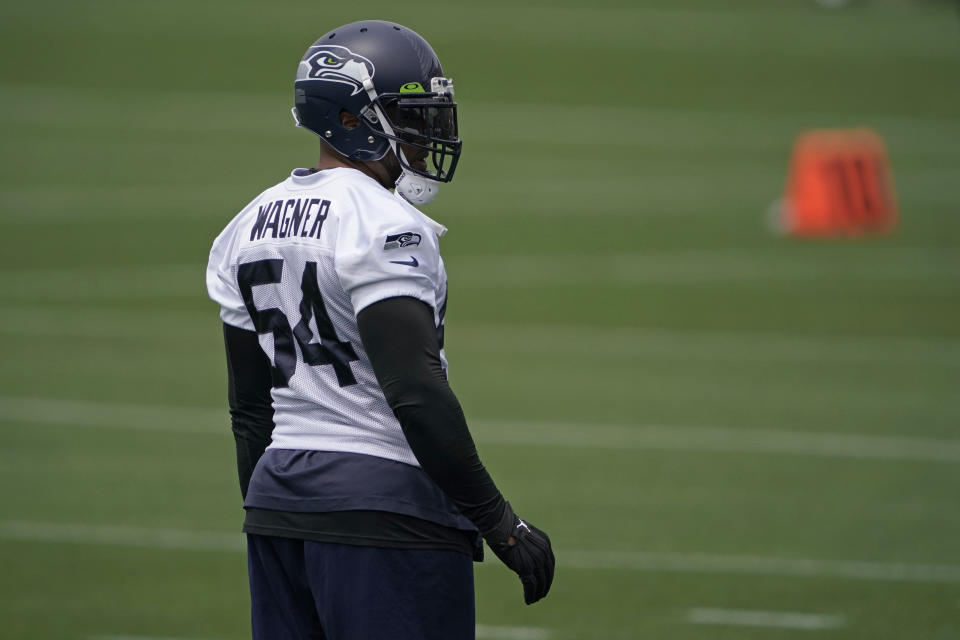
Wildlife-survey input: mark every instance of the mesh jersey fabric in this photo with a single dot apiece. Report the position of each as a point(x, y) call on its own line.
point(301, 260)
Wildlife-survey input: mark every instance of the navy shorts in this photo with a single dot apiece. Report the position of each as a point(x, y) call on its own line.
point(302, 590)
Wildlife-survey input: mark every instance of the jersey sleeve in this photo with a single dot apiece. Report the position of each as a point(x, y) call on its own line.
point(222, 283)
point(387, 251)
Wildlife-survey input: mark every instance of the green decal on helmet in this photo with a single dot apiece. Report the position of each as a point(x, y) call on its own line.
point(412, 87)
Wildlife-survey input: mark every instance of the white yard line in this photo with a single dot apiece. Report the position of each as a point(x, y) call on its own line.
point(699, 266)
point(147, 326)
point(639, 437)
point(19, 106)
point(630, 343)
point(55, 203)
point(760, 565)
point(720, 440)
point(518, 270)
point(120, 536)
point(81, 413)
point(638, 561)
point(609, 343)
point(774, 619)
point(488, 632)
point(84, 285)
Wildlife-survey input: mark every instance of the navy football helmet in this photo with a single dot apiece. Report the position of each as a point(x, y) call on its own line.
point(391, 80)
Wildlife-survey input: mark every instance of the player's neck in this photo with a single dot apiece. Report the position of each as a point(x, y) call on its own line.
point(333, 161)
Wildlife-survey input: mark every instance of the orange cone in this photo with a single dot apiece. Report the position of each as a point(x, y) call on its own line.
point(839, 184)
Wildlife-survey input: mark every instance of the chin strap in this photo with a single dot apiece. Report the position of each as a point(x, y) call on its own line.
point(413, 188)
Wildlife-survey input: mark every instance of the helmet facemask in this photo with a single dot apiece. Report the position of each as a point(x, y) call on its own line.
point(421, 127)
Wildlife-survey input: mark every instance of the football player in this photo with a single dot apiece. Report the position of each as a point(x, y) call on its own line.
point(365, 498)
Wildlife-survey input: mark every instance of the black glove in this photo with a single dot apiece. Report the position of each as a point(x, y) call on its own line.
point(526, 550)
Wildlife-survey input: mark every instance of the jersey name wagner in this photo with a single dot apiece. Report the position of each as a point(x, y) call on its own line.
point(296, 266)
point(294, 217)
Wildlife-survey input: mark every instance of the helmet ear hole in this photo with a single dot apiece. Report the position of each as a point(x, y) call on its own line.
point(348, 120)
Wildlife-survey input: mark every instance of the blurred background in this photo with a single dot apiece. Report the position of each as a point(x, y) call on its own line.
point(728, 433)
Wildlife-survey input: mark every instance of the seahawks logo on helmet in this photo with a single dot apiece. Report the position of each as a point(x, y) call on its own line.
point(333, 63)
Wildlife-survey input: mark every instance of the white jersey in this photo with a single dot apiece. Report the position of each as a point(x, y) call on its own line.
point(297, 265)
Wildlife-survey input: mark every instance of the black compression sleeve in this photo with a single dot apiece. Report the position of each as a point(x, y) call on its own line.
point(248, 391)
point(401, 341)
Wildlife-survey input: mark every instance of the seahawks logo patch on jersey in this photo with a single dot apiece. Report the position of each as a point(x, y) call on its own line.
point(398, 240)
point(333, 63)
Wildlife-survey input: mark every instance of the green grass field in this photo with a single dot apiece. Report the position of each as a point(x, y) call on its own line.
point(717, 426)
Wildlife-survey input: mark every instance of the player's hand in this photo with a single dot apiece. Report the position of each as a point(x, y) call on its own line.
point(527, 551)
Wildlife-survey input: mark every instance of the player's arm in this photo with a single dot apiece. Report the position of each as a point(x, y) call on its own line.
point(248, 391)
point(401, 341)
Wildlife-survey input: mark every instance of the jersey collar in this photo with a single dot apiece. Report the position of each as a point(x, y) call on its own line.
point(308, 176)
point(435, 226)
